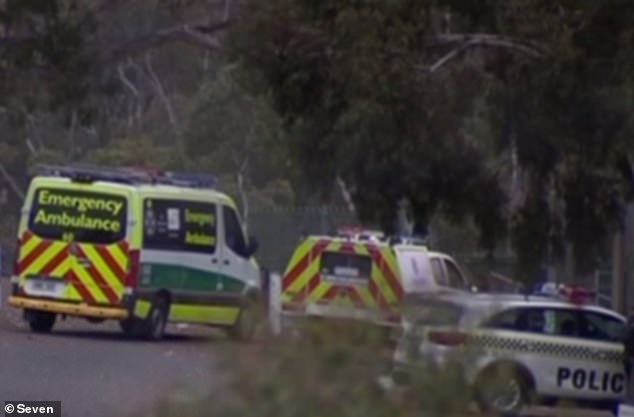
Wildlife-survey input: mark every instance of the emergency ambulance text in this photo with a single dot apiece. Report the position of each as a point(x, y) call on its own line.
point(82, 204)
point(583, 379)
point(197, 220)
point(71, 210)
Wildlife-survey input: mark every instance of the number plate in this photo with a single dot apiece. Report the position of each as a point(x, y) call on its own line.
point(44, 287)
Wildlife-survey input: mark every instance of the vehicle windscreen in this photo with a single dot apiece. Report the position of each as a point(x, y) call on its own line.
point(337, 266)
point(81, 216)
point(427, 311)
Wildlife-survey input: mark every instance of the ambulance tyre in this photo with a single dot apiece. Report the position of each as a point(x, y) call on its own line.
point(504, 390)
point(41, 321)
point(157, 319)
point(245, 327)
point(129, 326)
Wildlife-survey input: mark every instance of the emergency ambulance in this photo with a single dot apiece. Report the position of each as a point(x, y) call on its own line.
point(141, 247)
point(517, 350)
point(359, 275)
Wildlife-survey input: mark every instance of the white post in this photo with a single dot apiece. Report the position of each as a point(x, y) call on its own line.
point(275, 305)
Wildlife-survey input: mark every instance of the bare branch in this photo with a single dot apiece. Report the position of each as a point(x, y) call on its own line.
point(161, 91)
point(343, 188)
point(197, 34)
point(486, 41)
point(71, 136)
point(126, 81)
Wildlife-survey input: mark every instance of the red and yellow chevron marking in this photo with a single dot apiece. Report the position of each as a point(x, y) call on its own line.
point(302, 280)
point(95, 273)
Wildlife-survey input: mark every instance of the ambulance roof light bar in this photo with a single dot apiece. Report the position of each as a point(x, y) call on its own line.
point(129, 175)
point(189, 179)
point(88, 173)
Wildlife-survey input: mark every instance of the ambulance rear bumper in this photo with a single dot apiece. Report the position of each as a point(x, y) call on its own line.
point(81, 310)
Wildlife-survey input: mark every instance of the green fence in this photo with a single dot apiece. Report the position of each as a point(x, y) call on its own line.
point(279, 229)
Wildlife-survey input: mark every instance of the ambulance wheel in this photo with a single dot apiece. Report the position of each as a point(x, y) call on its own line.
point(157, 319)
point(503, 390)
point(244, 328)
point(129, 326)
point(41, 321)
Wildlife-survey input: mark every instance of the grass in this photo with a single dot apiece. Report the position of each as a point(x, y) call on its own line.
point(330, 371)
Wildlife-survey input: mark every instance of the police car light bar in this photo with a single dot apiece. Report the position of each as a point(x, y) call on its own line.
point(574, 294)
point(349, 231)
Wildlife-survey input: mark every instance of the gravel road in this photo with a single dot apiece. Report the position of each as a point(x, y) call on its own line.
point(95, 371)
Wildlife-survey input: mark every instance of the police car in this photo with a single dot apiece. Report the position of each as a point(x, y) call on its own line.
point(515, 350)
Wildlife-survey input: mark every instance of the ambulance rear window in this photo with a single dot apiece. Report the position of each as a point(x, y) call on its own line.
point(82, 216)
point(345, 266)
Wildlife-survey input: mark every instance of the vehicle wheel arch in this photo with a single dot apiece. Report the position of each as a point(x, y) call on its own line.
point(164, 294)
point(521, 368)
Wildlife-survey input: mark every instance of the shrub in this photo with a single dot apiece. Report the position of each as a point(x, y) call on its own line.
point(330, 371)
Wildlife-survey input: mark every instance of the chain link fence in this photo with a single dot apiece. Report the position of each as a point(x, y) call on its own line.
point(279, 229)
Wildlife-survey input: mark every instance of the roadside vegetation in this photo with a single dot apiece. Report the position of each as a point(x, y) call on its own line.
point(331, 371)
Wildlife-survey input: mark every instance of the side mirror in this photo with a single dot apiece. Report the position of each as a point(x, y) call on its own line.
point(252, 246)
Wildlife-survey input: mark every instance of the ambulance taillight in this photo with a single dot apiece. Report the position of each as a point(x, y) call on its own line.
point(134, 269)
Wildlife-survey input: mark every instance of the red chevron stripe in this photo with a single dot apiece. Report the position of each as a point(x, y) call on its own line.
point(55, 262)
point(80, 287)
point(99, 279)
point(307, 289)
point(33, 255)
point(26, 236)
point(376, 294)
point(355, 297)
point(386, 272)
point(110, 261)
point(124, 246)
point(303, 263)
point(330, 294)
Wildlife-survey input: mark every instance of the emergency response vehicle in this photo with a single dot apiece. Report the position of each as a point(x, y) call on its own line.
point(141, 247)
point(515, 350)
point(362, 276)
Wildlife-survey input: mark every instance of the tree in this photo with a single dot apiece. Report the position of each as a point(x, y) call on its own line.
point(380, 94)
point(236, 132)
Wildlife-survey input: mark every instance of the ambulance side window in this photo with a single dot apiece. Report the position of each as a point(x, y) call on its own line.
point(186, 226)
point(234, 234)
point(455, 277)
point(438, 271)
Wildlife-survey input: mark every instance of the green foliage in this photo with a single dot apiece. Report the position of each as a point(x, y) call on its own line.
point(350, 81)
point(139, 152)
point(345, 79)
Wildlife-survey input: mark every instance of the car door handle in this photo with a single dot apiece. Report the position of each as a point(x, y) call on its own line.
point(226, 262)
point(214, 261)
